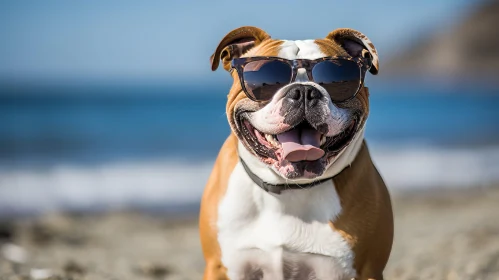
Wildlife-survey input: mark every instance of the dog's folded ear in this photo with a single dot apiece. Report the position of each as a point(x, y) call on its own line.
point(356, 44)
point(235, 44)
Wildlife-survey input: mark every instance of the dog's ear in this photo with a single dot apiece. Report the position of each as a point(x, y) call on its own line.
point(235, 44)
point(356, 44)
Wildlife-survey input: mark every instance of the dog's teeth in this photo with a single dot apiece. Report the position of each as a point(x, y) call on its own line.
point(275, 142)
point(268, 137)
point(271, 139)
point(323, 140)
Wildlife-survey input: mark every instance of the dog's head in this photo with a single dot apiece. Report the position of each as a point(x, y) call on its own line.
point(298, 130)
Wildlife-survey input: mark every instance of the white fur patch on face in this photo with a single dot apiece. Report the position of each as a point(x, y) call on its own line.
point(300, 49)
point(269, 119)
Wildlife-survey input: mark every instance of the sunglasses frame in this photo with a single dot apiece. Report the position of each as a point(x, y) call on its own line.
point(238, 64)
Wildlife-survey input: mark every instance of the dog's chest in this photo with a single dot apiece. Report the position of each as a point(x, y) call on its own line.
point(285, 236)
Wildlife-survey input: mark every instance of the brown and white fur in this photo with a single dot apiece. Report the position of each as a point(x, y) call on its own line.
point(340, 229)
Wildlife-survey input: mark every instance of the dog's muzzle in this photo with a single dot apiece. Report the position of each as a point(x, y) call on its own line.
point(304, 143)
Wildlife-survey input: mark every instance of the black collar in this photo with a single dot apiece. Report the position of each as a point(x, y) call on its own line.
point(280, 187)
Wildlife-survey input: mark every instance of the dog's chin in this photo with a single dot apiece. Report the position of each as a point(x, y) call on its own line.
point(269, 150)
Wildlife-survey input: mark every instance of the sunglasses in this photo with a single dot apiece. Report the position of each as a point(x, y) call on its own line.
point(261, 77)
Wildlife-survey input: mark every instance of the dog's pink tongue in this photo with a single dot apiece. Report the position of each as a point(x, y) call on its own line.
point(301, 144)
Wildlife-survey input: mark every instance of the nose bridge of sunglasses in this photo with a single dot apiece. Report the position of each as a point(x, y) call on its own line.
point(301, 75)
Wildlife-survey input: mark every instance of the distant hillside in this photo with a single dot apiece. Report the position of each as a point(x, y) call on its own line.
point(469, 50)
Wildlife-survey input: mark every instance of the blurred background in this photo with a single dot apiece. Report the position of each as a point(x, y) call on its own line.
point(111, 105)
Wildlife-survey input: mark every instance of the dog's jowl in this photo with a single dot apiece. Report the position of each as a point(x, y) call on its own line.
point(294, 193)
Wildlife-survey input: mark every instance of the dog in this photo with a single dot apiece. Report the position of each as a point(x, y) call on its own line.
point(293, 193)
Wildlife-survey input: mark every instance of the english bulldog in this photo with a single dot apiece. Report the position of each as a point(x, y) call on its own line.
point(294, 193)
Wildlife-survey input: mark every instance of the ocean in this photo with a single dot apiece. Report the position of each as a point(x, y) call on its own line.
point(152, 147)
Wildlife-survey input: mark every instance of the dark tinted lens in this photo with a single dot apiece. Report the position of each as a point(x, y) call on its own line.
point(263, 78)
point(341, 78)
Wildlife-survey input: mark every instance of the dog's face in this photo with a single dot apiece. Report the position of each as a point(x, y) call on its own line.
point(300, 131)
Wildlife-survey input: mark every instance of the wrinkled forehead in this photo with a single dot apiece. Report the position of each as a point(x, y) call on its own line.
point(297, 49)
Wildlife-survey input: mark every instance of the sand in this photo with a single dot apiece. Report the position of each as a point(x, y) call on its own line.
point(439, 235)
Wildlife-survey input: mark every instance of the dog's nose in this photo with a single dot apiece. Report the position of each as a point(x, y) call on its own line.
point(304, 93)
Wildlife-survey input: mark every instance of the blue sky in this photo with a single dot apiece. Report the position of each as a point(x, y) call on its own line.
point(171, 40)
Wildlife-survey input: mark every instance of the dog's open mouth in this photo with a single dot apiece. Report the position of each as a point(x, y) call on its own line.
point(299, 151)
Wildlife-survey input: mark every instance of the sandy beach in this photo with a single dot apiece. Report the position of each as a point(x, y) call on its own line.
point(451, 234)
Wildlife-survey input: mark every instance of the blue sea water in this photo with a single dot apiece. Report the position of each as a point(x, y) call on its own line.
point(113, 146)
point(89, 124)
